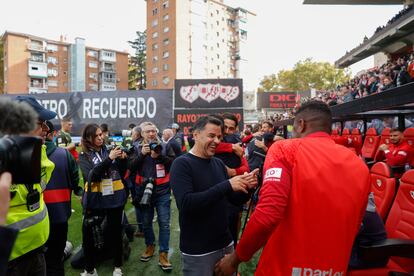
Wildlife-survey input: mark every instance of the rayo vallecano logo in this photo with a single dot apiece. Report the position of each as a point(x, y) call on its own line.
point(273, 174)
point(209, 92)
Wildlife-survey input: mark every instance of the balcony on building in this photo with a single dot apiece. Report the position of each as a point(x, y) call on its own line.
point(108, 56)
point(107, 87)
point(37, 86)
point(107, 67)
point(38, 46)
point(37, 69)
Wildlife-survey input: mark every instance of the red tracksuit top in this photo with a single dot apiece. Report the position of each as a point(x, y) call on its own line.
point(396, 155)
point(310, 208)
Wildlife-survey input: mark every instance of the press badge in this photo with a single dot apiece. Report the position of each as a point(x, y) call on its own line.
point(160, 170)
point(107, 188)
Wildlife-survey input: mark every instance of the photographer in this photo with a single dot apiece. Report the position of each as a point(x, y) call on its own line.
point(104, 197)
point(28, 212)
point(150, 166)
point(64, 180)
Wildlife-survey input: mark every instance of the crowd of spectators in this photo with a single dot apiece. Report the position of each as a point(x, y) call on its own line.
point(395, 18)
point(392, 74)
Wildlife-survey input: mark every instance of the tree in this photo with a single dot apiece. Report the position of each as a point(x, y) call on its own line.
point(305, 75)
point(137, 63)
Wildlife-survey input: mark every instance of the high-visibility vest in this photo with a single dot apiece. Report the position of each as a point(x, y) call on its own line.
point(33, 226)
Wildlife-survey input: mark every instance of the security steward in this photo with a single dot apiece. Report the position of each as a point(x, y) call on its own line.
point(57, 196)
point(28, 212)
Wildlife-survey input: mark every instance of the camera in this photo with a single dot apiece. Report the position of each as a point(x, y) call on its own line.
point(127, 150)
point(21, 154)
point(95, 223)
point(156, 147)
point(149, 187)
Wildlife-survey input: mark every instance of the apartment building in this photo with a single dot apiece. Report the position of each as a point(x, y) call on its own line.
point(194, 39)
point(33, 64)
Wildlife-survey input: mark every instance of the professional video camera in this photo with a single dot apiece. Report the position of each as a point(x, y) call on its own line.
point(144, 199)
point(21, 154)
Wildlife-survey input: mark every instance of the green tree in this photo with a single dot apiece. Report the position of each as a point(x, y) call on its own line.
point(137, 63)
point(305, 75)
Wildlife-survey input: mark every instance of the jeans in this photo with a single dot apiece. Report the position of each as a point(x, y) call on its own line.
point(163, 205)
point(203, 265)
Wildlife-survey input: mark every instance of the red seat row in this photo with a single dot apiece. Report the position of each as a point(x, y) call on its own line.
point(395, 204)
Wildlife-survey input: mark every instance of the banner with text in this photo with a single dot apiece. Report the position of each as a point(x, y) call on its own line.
point(208, 93)
point(187, 117)
point(279, 100)
point(118, 109)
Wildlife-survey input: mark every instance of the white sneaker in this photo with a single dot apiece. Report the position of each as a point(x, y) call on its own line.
point(117, 272)
point(86, 273)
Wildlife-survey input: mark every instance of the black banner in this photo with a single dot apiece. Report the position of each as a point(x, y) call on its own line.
point(208, 93)
point(118, 109)
point(279, 100)
point(187, 117)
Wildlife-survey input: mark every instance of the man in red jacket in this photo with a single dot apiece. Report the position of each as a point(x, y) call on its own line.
point(311, 204)
point(397, 153)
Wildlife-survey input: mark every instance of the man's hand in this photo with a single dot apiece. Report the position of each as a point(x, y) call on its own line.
point(115, 153)
point(260, 144)
point(383, 147)
point(231, 172)
point(5, 182)
point(237, 149)
point(227, 265)
point(145, 149)
point(251, 179)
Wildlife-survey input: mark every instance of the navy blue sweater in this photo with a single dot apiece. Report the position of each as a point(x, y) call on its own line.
point(202, 192)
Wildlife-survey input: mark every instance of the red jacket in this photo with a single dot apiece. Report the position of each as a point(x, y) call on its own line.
point(310, 208)
point(228, 148)
point(396, 155)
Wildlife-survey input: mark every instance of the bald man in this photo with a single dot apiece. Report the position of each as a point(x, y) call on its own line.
point(172, 147)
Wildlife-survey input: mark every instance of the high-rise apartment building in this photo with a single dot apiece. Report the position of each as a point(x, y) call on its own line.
point(38, 65)
point(194, 39)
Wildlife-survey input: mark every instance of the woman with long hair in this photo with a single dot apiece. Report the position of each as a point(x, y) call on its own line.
point(104, 197)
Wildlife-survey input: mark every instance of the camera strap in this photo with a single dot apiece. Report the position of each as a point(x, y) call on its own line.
point(32, 198)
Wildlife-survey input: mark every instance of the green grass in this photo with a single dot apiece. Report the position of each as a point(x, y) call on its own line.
point(134, 266)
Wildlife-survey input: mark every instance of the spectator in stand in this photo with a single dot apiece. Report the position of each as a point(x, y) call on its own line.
point(397, 153)
point(387, 84)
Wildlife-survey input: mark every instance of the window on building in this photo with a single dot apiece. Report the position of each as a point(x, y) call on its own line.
point(154, 1)
point(165, 67)
point(218, 45)
point(217, 11)
point(155, 35)
point(155, 58)
point(217, 22)
point(93, 76)
point(154, 82)
point(65, 60)
point(154, 46)
point(155, 70)
point(166, 29)
point(52, 72)
point(154, 23)
point(52, 48)
point(165, 5)
point(93, 87)
point(218, 34)
point(52, 60)
point(165, 80)
point(38, 57)
point(52, 83)
point(166, 17)
point(243, 34)
point(165, 54)
point(92, 53)
point(155, 11)
point(218, 67)
point(166, 41)
point(93, 64)
point(65, 48)
point(218, 56)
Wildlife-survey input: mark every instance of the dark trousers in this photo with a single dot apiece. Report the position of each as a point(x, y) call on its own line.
point(55, 248)
point(30, 264)
point(113, 237)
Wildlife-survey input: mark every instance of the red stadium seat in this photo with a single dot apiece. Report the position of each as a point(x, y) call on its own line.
point(356, 140)
point(335, 133)
point(383, 185)
point(399, 225)
point(346, 133)
point(371, 144)
point(409, 137)
point(385, 136)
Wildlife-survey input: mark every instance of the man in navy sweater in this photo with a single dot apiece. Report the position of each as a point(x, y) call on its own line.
point(202, 190)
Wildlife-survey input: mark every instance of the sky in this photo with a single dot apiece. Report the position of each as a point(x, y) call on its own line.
point(282, 33)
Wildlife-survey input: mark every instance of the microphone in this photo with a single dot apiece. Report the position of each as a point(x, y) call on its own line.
point(16, 117)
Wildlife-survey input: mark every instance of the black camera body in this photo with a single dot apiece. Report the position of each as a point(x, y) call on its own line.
point(155, 147)
point(21, 155)
point(127, 150)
